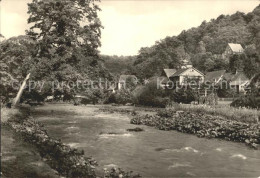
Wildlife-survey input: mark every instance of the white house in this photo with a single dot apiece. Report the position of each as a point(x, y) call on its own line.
point(232, 48)
point(185, 75)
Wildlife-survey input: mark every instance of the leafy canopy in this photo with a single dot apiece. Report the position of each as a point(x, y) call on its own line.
point(66, 31)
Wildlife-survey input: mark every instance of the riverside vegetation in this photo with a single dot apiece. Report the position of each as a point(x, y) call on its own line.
point(232, 124)
point(203, 125)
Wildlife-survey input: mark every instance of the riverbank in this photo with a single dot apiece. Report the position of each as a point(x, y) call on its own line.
point(202, 125)
point(60, 157)
point(231, 124)
point(20, 159)
point(66, 161)
point(152, 152)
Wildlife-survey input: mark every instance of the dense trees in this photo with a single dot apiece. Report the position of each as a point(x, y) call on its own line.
point(66, 32)
point(61, 44)
point(204, 45)
point(15, 58)
point(164, 54)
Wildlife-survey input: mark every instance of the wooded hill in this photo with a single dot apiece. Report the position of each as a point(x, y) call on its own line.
point(202, 45)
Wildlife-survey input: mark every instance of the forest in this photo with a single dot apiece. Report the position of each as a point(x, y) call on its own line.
point(64, 50)
point(201, 45)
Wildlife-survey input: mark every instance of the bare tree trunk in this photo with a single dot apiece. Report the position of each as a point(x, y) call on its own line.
point(20, 92)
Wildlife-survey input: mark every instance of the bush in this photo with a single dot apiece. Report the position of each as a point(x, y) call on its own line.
point(183, 96)
point(248, 101)
point(121, 97)
point(151, 95)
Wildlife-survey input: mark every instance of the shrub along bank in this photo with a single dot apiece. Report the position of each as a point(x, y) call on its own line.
point(203, 125)
point(67, 161)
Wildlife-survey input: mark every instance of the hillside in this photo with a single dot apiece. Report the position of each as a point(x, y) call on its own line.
point(202, 45)
point(117, 65)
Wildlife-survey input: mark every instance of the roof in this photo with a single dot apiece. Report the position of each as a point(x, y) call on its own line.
point(228, 76)
point(236, 47)
point(236, 79)
point(169, 72)
point(239, 78)
point(123, 78)
point(179, 72)
point(214, 75)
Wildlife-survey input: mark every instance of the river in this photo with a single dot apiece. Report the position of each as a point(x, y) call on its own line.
point(152, 153)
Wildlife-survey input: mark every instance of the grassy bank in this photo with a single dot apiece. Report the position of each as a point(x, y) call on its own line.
point(203, 125)
point(235, 114)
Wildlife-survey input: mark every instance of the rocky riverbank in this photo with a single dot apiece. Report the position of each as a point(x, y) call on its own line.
point(67, 161)
point(203, 125)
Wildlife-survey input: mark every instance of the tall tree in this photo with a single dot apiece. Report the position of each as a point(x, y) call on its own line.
point(66, 31)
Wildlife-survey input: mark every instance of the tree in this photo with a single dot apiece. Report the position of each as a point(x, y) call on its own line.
point(15, 55)
point(251, 62)
point(66, 31)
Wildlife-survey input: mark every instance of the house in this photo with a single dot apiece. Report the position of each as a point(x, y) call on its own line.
point(124, 79)
point(184, 75)
point(232, 48)
point(238, 81)
point(215, 77)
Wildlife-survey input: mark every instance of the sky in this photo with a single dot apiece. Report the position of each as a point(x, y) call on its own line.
point(132, 24)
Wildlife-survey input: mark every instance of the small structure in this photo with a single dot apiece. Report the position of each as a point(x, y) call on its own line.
point(232, 48)
point(123, 79)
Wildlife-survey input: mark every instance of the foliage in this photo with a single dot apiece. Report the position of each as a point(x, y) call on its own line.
point(183, 96)
point(248, 101)
point(164, 54)
point(236, 114)
point(151, 95)
point(67, 35)
point(122, 96)
point(15, 54)
point(204, 125)
point(118, 65)
point(204, 46)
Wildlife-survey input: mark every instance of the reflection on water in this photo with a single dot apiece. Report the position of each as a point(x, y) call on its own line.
point(239, 156)
point(115, 135)
point(152, 152)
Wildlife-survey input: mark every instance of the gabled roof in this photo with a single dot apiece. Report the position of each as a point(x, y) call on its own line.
point(179, 72)
point(228, 76)
point(124, 77)
point(169, 72)
point(239, 78)
point(214, 76)
point(236, 47)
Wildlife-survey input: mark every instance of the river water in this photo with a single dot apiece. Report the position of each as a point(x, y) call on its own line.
point(152, 153)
